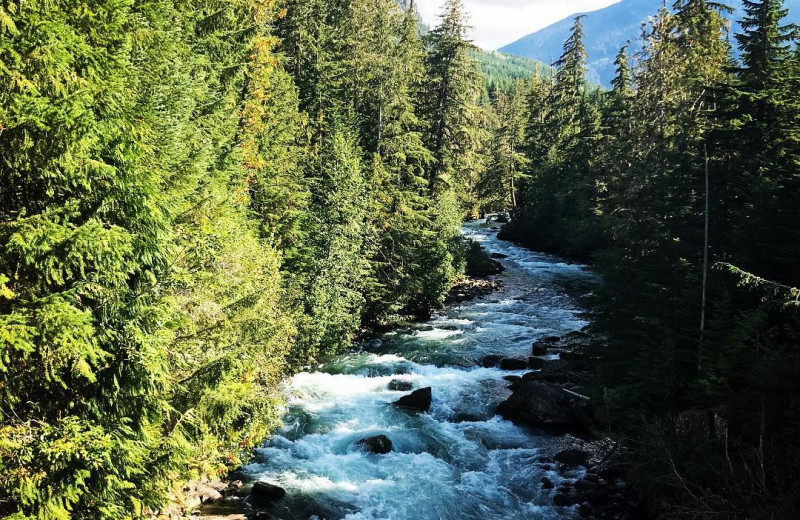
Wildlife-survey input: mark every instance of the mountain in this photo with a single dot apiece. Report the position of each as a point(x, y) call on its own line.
point(607, 30)
point(502, 71)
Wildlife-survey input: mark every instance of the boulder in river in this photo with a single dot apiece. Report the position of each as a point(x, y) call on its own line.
point(572, 457)
point(547, 483)
point(565, 500)
point(498, 256)
point(264, 493)
point(480, 264)
point(546, 401)
point(379, 444)
point(535, 363)
point(419, 400)
point(490, 361)
point(400, 385)
point(540, 348)
point(551, 340)
point(513, 364)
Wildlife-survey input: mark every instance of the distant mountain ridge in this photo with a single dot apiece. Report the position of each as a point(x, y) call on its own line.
point(607, 30)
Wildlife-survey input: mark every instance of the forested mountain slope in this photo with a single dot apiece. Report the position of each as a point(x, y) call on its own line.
point(607, 30)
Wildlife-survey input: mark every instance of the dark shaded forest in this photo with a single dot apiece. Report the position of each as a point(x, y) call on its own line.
point(681, 187)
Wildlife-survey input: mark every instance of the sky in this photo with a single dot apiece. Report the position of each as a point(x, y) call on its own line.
point(499, 22)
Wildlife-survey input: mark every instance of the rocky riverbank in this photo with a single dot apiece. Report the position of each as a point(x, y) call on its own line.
point(553, 399)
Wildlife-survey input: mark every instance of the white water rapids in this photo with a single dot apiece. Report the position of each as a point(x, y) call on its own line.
point(459, 461)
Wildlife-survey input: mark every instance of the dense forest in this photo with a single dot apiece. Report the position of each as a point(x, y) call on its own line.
point(198, 198)
point(681, 185)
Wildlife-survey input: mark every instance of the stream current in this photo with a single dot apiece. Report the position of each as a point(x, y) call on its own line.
point(459, 460)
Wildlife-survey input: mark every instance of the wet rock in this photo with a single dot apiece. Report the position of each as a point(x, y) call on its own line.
point(419, 400)
point(512, 379)
point(264, 493)
point(379, 444)
point(490, 361)
point(544, 403)
point(535, 363)
point(551, 340)
point(572, 457)
point(513, 364)
point(471, 289)
point(498, 256)
point(208, 493)
point(540, 348)
point(585, 510)
point(400, 385)
point(547, 483)
point(479, 264)
point(565, 500)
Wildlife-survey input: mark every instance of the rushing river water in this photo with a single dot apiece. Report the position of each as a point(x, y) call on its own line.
point(459, 461)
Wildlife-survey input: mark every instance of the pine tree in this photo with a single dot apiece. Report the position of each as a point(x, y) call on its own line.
point(450, 106)
point(761, 111)
point(497, 187)
point(561, 141)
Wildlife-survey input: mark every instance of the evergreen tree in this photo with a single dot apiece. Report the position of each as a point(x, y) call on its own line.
point(497, 187)
point(562, 138)
point(450, 106)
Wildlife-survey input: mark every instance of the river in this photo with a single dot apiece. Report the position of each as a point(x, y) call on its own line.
point(459, 461)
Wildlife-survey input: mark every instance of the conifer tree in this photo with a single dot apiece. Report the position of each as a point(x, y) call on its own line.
point(561, 141)
point(450, 106)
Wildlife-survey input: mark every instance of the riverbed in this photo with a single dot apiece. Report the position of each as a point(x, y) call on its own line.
point(457, 461)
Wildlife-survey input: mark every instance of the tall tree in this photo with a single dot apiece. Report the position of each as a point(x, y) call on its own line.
point(450, 103)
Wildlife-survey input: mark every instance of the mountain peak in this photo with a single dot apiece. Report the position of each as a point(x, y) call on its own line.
point(607, 30)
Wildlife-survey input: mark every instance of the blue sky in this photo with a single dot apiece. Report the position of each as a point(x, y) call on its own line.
point(499, 22)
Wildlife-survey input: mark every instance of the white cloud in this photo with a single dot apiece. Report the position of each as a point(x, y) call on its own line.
point(500, 22)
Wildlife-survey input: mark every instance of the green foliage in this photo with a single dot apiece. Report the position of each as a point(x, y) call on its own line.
point(681, 185)
point(497, 186)
point(451, 105)
point(503, 72)
point(561, 141)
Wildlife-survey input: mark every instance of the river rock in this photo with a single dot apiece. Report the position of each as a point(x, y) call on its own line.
point(379, 444)
point(512, 379)
point(565, 500)
point(419, 400)
point(547, 483)
point(540, 348)
point(551, 340)
point(513, 364)
point(480, 264)
point(400, 385)
point(490, 361)
point(264, 493)
point(572, 457)
point(498, 256)
point(535, 363)
point(539, 400)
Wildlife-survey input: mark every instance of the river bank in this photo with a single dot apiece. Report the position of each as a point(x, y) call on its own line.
point(460, 459)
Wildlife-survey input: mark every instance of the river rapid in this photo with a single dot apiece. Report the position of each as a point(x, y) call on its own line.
point(458, 461)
